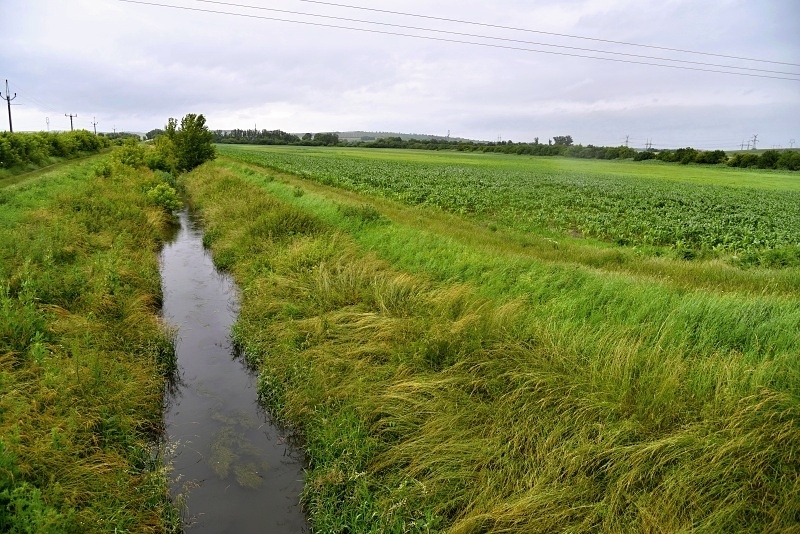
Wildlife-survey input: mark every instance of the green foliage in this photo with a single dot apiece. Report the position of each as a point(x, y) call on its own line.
point(162, 155)
point(326, 139)
point(712, 157)
point(153, 134)
point(744, 160)
point(258, 137)
point(165, 197)
point(192, 142)
point(789, 160)
point(36, 149)
point(562, 140)
point(769, 159)
point(131, 153)
point(103, 169)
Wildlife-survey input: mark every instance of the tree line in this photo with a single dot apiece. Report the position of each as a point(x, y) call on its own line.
point(559, 145)
point(274, 137)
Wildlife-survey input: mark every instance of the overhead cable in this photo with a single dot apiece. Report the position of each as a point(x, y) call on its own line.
point(497, 26)
point(458, 41)
point(493, 38)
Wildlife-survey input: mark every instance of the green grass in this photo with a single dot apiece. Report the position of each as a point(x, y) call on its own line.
point(83, 354)
point(447, 376)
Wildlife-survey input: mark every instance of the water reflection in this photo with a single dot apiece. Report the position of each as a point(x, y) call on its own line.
point(242, 474)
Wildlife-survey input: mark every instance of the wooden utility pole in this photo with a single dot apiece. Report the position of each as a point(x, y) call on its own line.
point(8, 98)
point(70, 115)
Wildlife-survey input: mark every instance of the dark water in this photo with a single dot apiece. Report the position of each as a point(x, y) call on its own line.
point(241, 474)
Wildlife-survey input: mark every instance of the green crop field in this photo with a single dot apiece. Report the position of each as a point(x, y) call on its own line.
point(749, 216)
point(483, 343)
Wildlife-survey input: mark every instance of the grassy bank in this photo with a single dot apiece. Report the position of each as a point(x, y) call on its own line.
point(447, 378)
point(83, 354)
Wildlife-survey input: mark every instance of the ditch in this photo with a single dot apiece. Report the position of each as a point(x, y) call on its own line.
point(237, 471)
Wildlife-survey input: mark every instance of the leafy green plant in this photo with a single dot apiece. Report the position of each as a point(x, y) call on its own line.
point(165, 196)
point(131, 153)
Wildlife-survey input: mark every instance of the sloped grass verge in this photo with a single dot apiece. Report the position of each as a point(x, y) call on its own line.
point(586, 402)
point(83, 354)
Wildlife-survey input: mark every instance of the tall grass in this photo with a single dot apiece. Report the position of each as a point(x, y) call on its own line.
point(83, 354)
point(441, 388)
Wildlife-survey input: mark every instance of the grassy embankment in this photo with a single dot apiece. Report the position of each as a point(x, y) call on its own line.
point(83, 354)
point(449, 374)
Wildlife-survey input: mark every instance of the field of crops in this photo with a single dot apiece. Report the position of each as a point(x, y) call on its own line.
point(751, 216)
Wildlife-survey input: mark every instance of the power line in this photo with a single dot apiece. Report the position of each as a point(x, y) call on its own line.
point(493, 38)
point(496, 26)
point(458, 41)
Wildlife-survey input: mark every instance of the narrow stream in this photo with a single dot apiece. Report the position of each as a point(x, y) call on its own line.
point(241, 474)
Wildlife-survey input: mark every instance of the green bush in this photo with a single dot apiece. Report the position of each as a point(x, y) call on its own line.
point(103, 169)
point(743, 160)
point(165, 197)
point(789, 160)
point(130, 153)
point(769, 159)
point(22, 149)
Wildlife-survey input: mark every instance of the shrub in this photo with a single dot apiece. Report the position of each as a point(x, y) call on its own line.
point(711, 157)
point(769, 159)
point(130, 153)
point(165, 197)
point(789, 160)
point(103, 169)
point(743, 160)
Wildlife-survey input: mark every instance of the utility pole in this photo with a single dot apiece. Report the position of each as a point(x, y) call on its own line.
point(8, 98)
point(755, 138)
point(626, 140)
point(47, 120)
point(748, 144)
point(70, 115)
point(742, 145)
point(94, 123)
point(649, 144)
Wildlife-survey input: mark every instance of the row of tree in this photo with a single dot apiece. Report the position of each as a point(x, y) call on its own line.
point(563, 146)
point(273, 137)
point(22, 149)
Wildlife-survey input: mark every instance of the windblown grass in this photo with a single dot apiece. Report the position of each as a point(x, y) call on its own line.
point(83, 355)
point(441, 384)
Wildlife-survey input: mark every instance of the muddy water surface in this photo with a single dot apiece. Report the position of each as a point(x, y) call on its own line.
point(242, 475)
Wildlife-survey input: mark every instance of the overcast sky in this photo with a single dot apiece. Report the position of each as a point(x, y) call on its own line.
point(131, 66)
